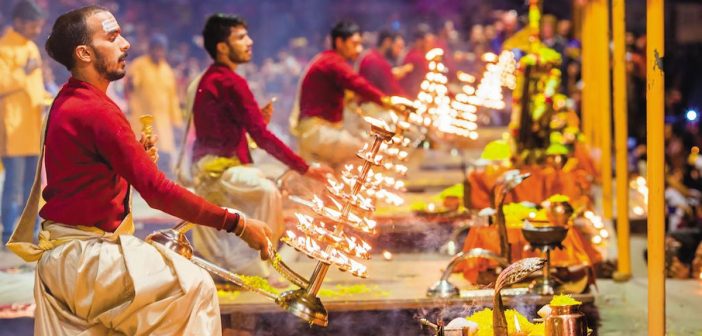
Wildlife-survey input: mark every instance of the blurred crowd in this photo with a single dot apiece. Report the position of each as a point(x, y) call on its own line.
point(288, 34)
point(276, 70)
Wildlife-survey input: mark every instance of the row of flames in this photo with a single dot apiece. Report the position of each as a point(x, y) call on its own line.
point(438, 112)
point(322, 232)
point(435, 111)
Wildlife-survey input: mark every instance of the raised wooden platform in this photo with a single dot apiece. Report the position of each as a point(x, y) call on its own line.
point(397, 293)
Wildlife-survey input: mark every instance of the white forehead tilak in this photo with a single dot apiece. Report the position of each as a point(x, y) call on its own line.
point(110, 25)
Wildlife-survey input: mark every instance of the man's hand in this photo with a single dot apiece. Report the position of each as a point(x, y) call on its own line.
point(398, 104)
point(267, 110)
point(401, 71)
point(257, 235)
point(319, 172)
point(149, 144)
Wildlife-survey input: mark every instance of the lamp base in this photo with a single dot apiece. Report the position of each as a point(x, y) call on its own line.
point(543, 286)
point(443, 289)
point(304, 306)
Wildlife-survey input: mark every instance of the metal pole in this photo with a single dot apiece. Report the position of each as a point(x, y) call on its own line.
point(655, 170)
point(620, 131)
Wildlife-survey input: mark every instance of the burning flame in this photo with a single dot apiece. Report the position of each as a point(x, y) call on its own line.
point(387, 255)
point(337, 187)
point(596, 240)
point(304, 220)
point(465, 77)
point(370, 223)
point(434, 53)
point(317, 204)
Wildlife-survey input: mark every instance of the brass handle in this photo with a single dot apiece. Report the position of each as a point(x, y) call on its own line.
point(183, 227)
point(229, 276)
point(287, 273)
point(275, 260)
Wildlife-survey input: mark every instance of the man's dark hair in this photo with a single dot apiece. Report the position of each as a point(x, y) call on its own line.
point(385, 35)
point(69, 31)
point(27, 10)
point(344, 30)
point(217, 29)
point(421, 31)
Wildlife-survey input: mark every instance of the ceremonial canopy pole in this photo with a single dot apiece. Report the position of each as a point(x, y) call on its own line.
point(655, 170)
point(620, 130)
point(596, 107)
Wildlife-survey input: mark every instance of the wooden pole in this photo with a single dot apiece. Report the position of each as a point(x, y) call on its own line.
point(655, 171)
point(620, 130)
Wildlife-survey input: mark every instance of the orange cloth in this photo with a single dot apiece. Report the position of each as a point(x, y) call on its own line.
point(543, 183)
point(576, 251)
point(481, 182)
point(21, 96)
point(154, 92)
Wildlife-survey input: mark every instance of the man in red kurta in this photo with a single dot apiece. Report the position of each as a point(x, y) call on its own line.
point(318, 111)
point(224, 112)
point(93, 276)
point(375, 67)
point(424, 41)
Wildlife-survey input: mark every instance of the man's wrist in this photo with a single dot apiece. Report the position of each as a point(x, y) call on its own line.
point(242, 225)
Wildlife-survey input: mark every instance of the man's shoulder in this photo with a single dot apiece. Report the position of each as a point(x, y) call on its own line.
point(374, 58)
point(7, 39)
point(84, 112)
point(222, 78)
point(333, 56)
point(414, 55)
point(219, 72)
point(330, 62)
point(142, 62)
point(6, 46)
point(78, 100)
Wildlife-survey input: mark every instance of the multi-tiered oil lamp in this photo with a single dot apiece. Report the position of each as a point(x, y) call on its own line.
point(326, 235)
point(436, 111)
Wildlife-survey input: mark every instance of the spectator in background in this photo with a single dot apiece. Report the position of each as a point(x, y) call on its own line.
point(564, 29)
point(637, 82)
point(151, 89)
point(375, 67)
point(570, 69)
point(477, 40)
point(449, 41)
point(22, 98)
point(549, 36)
point(423, 40)
point(504, 28)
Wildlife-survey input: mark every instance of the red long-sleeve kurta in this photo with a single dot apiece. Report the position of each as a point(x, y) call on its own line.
point(378, 71)
point(224, 111)
point(92, 157)
point(322, 91)
point(412, 81)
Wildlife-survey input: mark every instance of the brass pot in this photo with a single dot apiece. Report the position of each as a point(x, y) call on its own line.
point(565, 321)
